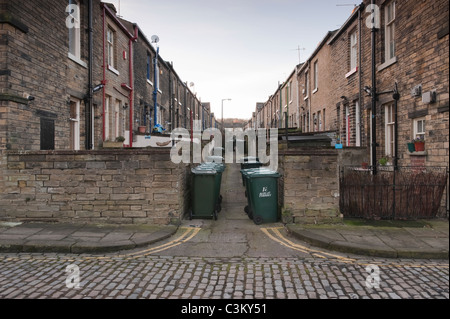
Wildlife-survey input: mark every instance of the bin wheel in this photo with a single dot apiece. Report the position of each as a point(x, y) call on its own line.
point(258, 220)
point(246, 209)
point(220, 199)
point(245, 194)
point(215, 215)
point(190, 214)
point(250, 213)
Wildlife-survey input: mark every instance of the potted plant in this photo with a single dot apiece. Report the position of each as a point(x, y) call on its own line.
point(383, 161)
point(411, 147)
point(120, 139)
point(141, 129)
point(419, 143)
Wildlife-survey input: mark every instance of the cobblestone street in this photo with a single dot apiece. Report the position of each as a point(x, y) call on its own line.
point(46, 276)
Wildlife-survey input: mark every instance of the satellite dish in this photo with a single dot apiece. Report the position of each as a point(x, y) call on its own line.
point(191, 84)
point(155, 39)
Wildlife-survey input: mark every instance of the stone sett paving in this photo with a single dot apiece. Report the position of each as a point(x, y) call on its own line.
point(45, 276)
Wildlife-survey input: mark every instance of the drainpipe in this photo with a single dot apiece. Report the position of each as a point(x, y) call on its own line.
point(361, 7)
point(155, 91)
point(171, 97)
point(192, 124)
point(297, 116)
point(88, 141)
point(374, 99)
point(130, 44)
point(396, 97)
point(309, 97)
point(104, 74)
point(280, 117)
point(185, 106)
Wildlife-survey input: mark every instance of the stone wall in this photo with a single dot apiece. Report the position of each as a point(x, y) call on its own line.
point(122, 186)
point(309, 187)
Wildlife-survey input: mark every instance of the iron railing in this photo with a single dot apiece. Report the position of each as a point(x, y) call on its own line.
point(405, 193)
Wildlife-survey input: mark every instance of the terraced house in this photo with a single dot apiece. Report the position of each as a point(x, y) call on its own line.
point(74, 75)
point(380, 85)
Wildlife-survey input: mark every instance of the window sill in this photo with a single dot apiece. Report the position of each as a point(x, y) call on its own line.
point(424, 153)
point(149, 82)
point(113, 70)
point(387, 64)
point(353, 71)
point(77, 60)
point(315, 90)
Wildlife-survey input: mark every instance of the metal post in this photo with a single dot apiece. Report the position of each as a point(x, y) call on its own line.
point(89, 106)
point(155, 91)
point(374, 100)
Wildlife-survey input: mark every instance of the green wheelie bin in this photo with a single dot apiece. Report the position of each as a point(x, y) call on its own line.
point(204, 188)
point(219, 161)
point(249, 162)
point(220, 168)
point(246, 173)
point(262, 188)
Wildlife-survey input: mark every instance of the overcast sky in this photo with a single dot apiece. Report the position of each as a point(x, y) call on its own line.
point(238, 49)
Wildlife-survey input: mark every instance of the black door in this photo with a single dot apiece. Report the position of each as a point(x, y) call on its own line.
point(47, 134)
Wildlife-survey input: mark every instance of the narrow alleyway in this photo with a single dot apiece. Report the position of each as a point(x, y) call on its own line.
point(233, 234)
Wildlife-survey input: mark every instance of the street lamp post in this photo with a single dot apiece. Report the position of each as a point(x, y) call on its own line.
point(223, 128)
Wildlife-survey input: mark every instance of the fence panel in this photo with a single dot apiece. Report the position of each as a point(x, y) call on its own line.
point(405, 193)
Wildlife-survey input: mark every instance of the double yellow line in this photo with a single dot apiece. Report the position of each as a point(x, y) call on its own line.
point(188, 234)
point(275, 234)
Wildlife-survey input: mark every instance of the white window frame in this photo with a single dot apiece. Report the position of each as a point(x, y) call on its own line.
point(419, 132)
point(116, 119)
point(389, 129)
point(316, 76)
point(306, 85)
point(389, 31)
point(353, 51)
point(74, 33)
point(75, 124)
point(319, 119)
point(347, 125)
point(74, 36)
point(107, 103)
point(110, 47)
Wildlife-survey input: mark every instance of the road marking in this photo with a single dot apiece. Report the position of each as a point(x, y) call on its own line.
point(188, 234)
point(278, 237)
point(275, 234)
